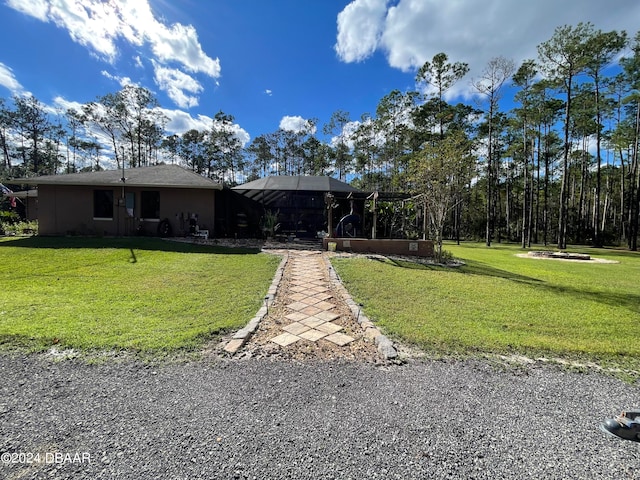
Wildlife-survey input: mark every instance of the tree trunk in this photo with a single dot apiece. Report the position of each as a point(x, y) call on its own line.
point(525, 179)
point(563, 214)
point(634, 190)
point(532, 185)
point(489, 232)
point(582, 203)
point(623, 203)
point(5, 150)
point(545, 214)
point(597, 236)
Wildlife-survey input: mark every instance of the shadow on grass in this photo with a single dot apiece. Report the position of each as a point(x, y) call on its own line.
point(630, 301)
point(469, 268)
point(617, 253)
point(128, 243)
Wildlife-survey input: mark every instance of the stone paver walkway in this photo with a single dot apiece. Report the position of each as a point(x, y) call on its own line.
point(309, 314)
point(310, 304)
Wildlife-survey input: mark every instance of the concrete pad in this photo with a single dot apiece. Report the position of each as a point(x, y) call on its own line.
point(313, 335)
point(311, 310)
point(322, 296)
point(296, 297)
point(326, 306)
point(296, 317)
point(327, 316)
point(329, 327)
point(285, 339)
point(318, 289)
point(297, 306)
point(312, 322)
point(295, 328)
point(340, 339)
point(310, 300)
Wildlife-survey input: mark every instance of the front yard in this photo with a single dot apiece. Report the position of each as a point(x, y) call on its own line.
point(150, 295)
point(501, 303)
point(134, 294)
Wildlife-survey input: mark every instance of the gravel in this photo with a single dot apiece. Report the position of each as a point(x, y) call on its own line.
point(272, 419)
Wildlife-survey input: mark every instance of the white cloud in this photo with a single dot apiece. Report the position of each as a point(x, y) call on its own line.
point(348, 134)
point(176, 83)
point(360, 26)
point(123, 81)
point(296, 124)
point(8, 79)
point(180, 43)
point(239, 132)
point(100, 25)
point(64, 104)
point(91, 23)
point(180, 122)
point(410, 32)
point(36, 8)
point(268, 92)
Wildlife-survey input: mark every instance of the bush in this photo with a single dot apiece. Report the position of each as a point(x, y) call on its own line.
point(447, 257)
point(7, 216)
point(19, 227)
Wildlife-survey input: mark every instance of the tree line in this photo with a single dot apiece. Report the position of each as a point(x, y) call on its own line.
point(560, 167)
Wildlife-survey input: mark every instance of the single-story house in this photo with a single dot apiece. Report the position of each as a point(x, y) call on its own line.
point(157, 200)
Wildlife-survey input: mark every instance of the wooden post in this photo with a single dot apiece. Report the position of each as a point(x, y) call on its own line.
point(375, 216)
point(424, 218)
point(328, 199)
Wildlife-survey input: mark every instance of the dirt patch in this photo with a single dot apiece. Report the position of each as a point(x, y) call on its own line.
point(561, 258)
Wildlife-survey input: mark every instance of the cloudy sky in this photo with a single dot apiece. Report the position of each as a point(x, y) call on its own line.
point(269, 63)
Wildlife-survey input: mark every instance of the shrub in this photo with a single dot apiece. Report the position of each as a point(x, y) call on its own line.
point(19, 227)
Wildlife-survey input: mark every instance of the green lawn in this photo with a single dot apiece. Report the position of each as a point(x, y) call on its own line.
point(137, 294)
point(500, 303)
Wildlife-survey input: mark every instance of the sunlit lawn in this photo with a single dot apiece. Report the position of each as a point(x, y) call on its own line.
point(500, 303)
point(135, 294)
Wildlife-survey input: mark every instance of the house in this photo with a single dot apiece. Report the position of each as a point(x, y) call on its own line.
point(157, 200)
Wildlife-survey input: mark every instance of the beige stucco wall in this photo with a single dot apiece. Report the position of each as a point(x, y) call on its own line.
point(68, 210)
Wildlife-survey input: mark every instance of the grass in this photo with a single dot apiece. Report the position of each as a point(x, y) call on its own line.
point(137, 294)
point(500, 303)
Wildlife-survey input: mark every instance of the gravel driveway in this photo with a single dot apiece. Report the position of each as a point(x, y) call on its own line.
point(264, 419)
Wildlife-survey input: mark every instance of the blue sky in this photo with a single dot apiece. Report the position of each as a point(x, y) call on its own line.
point(269, 63)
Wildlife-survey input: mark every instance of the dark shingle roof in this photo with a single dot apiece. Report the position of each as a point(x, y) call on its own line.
point(298, 183)
point(268, 188)
point(172, 176)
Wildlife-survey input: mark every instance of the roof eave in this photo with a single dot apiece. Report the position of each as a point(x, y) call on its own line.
point(34, 181)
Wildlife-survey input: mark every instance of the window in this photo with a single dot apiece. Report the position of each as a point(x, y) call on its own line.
point(130, 203)
point(150, 205)
point(103, 204)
